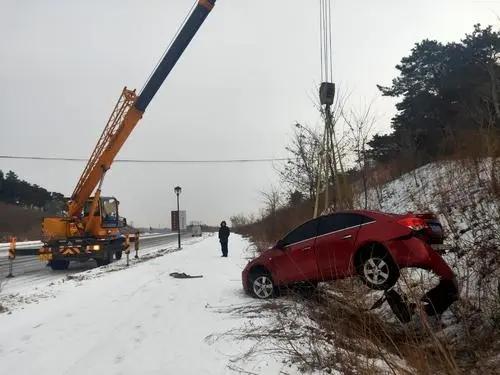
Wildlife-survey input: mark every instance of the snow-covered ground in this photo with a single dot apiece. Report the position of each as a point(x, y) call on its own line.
point(137, 320)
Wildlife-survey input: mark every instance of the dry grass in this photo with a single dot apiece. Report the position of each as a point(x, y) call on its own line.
point(333, 330)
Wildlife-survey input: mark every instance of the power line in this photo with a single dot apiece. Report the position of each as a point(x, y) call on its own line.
point(150, 161)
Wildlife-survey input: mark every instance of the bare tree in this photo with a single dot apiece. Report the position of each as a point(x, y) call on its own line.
point(300, 171)
point(360, 124)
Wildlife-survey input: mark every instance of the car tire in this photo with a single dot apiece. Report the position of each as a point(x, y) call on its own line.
point(262, 285)
point(377, 269)
point(59, 264)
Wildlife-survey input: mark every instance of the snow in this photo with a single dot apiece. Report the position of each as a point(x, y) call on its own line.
point(138, 320)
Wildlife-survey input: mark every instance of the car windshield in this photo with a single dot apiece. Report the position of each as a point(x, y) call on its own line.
point(109, 208)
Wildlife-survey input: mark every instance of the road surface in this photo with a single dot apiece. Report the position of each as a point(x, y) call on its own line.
point(30, 268)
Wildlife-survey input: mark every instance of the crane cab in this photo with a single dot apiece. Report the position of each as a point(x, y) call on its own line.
point(105, 222)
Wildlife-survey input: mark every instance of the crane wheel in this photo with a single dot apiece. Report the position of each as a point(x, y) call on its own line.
point(108, 258)
point(59, 265)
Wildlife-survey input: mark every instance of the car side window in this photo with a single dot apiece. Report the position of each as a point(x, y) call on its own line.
point(335, 222)
point(303, 232)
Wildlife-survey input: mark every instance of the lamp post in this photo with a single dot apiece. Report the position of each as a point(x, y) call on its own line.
point(177, 191)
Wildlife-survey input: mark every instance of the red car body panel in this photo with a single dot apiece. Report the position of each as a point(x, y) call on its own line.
point(331, 256)
point(299, 263)
point(336, 264)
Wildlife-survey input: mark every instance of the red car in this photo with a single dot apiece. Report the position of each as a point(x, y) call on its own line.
point(372, 245)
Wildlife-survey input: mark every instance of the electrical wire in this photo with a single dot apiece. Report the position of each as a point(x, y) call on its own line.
point(150, 161)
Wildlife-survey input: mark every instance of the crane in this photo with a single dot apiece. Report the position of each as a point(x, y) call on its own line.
point(90, 227)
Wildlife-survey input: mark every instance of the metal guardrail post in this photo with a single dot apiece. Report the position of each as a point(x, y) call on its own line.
point(136, 245)
point(127, 248)
point(12, 255)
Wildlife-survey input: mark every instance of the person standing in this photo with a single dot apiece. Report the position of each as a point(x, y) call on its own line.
point(223, 237)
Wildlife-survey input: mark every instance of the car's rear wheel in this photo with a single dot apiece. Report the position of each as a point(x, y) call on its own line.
point(262, 285)
point(378, 270)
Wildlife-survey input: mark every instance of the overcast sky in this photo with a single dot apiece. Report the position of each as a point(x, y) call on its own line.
point(247, 77)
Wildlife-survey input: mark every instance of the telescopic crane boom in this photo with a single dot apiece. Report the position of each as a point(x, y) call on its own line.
point(129, 110)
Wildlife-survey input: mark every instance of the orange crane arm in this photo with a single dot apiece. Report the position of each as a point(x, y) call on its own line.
point(120, 124)
point(129, 110)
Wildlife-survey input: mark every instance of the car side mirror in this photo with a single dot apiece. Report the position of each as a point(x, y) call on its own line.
point(121, 222)
point(280, 245)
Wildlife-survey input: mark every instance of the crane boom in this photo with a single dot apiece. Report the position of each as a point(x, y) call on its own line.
point(129, 110)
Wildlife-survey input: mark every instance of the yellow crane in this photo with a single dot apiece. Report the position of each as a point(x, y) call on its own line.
point(91, 227)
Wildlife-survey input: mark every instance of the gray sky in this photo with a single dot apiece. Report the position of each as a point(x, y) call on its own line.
point(249, 74)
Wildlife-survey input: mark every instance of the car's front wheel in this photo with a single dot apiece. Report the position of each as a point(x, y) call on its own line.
point(378, 270)
point(262, 285)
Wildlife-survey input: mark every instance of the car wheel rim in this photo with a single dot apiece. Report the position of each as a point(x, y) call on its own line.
point(376, 271)
point(263, 287)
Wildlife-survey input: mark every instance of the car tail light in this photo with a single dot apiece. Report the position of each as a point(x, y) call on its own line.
point(414, 223)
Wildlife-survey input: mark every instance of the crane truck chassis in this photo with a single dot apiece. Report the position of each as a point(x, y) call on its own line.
point(91, 227)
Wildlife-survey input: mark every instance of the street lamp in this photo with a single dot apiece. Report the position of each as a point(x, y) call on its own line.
point(177, 191)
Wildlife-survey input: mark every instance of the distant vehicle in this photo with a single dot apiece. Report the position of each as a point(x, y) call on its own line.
point(372, 245)
point(196, 230)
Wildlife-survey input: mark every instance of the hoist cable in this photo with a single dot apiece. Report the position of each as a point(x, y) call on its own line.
point(170, 44)
point(330, 37)
point(321, 39)
point(326, 48)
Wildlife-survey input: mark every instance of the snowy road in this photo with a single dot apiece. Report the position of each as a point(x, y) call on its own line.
point(136, 320)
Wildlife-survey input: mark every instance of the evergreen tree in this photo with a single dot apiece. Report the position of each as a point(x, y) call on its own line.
point(446, 90)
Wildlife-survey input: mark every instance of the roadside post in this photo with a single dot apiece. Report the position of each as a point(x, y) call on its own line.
point(178, 191)
point(12, 255)
point(127, 247)
point(136, 245)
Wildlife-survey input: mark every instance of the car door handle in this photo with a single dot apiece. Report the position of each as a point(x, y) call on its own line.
point(349, 236)
point(306, 248)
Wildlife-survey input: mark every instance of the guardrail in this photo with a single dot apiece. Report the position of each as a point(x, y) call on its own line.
point(28, 245)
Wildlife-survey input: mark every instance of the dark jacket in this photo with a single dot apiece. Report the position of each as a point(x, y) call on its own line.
point(224, 233)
